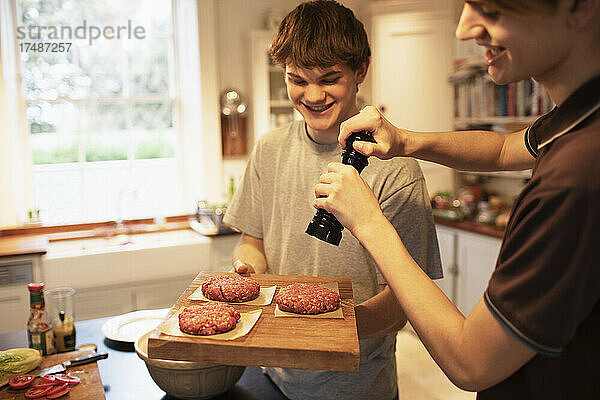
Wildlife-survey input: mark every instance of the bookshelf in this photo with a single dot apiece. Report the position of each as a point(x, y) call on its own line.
point(479, 101)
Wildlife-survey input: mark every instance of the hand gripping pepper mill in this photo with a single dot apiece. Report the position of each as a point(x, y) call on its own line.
point(325, 225)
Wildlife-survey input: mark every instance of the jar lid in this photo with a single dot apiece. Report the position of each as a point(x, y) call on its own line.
point(35, 287)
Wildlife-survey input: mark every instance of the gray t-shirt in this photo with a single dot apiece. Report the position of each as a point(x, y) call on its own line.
point(274, 203)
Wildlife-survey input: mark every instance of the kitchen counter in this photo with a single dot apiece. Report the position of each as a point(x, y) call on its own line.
point(15, 245)
point(23, 245)
point(470, 226)
point(124, 374)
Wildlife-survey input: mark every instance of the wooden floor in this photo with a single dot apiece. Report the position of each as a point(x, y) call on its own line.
point(419, 377)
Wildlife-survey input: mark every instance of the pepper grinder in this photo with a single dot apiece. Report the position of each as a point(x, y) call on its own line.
point(325, 225)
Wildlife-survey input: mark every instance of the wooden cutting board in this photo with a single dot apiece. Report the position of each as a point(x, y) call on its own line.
point(90, 387)
point(289, 342)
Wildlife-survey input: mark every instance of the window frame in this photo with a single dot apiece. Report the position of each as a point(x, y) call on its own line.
point(199, 131)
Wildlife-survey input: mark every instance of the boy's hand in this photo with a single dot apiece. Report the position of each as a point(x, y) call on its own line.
point(391, 141)
point(342, 192)
point(243, 268)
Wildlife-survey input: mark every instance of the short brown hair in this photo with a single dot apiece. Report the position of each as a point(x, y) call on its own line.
point(320, 33)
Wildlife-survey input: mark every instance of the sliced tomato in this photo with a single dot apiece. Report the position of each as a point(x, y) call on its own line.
point(58, 391)
point(43, 384)
point(66, 378)
point(37, 392)
point(20, 381)
point(48, 378)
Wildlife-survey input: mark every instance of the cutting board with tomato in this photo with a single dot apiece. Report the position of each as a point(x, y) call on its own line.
point(89, 387)
point(289, 342)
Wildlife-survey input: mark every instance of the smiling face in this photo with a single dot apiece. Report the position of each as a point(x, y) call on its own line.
point(518, 45)
point(324, 96)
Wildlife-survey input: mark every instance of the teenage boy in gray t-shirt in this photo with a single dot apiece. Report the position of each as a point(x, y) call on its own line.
point(325, 53)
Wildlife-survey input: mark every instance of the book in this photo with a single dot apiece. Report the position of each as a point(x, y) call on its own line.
point(511, 100)
point(491, 93)
point(520, 99)
point(535, 98)
point(527, 96)
point(502, 101)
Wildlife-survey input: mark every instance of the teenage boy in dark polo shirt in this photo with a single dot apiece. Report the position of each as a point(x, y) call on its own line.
point(535, 334)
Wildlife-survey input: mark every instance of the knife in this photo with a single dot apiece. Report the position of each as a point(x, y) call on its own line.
point(55, 369)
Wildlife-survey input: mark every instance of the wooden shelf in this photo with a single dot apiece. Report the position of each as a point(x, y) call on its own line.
point(496, 120)
point(525, 174)
point(470, 226)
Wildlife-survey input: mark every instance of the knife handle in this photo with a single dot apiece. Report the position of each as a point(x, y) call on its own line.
point(86, 359)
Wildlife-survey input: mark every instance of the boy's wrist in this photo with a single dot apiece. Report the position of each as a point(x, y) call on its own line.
point(371, 229)
point(411, 143)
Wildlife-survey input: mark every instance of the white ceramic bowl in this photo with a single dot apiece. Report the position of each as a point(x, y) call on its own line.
point(186, 379)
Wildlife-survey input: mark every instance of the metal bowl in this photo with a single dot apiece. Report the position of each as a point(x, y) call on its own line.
point(186, 379)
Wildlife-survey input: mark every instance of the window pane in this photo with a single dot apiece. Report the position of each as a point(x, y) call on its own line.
point(101, 116)
point(54, 132)
point(161, 190)
point(102, 64)
point(106, 190)
point(149, 67)
point(154, 16)
point(50, 75)
point(59, 206)
point(154, 133)
point(107, 138)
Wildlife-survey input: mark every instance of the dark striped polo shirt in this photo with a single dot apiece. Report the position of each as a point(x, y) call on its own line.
point(546, 285)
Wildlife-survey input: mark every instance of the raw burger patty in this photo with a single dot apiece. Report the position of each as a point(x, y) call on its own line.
point(208, 319)
point(305, 298)
point(233, 288)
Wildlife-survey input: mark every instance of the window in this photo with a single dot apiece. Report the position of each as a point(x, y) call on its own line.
point(101, 118)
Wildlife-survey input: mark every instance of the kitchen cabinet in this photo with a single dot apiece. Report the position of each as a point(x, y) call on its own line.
point(270, 104)
point(98, 302)
point(412, 57)
point(447, 244)
point(468, 260)
point(159, 294)
point(102, 302)
point(476, 259)
point(15, 273)
point(14, 308)
point(222, 252)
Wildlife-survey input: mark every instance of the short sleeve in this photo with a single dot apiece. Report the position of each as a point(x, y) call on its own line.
point(546, 281)
point(245, 210)
point(530, 142)
point(409, 211)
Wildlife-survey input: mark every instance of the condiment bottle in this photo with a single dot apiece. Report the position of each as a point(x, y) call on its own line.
point(39, 328)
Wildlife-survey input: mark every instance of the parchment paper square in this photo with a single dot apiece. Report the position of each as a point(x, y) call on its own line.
point(331, 314)
point(243, 326)
point(265, 296)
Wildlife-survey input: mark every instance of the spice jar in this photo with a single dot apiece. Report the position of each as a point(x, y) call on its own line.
point(61, 309)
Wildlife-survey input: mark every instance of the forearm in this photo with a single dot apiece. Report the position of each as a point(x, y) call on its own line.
point(379, 315)
point(437, 321)
point(471, 150)
point(250, 250)
point(475, 352)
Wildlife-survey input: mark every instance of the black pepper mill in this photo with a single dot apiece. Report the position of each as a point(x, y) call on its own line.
point(325, 225)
